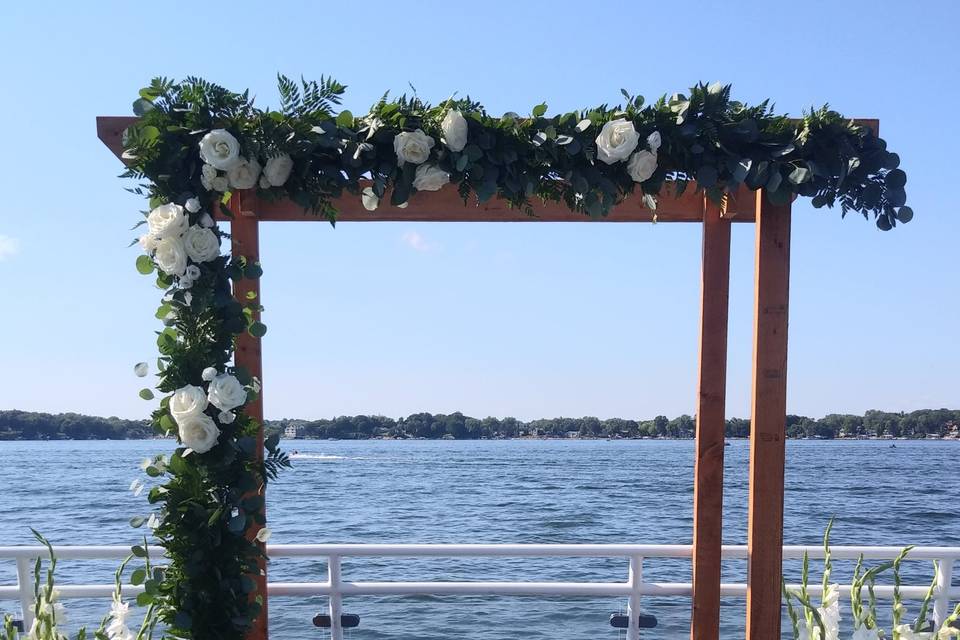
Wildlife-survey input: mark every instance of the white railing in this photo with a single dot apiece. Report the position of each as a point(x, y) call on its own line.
point(634, 588)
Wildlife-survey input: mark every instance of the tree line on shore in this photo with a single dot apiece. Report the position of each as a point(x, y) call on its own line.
point(26, 425)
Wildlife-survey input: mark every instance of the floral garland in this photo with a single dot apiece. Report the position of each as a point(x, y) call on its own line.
point(196, 142)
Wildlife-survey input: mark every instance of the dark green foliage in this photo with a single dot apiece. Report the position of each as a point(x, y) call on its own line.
point(707, 137)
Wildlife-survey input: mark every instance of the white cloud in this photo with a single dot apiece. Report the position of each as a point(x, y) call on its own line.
point(417, 242)
point(9, 247)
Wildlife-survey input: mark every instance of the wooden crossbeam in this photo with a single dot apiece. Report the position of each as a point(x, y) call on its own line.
point(447, 206)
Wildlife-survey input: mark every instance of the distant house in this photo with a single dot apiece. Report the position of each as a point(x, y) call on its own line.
point(290, 432)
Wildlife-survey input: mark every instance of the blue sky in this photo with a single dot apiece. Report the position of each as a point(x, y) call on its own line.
point(530, 320)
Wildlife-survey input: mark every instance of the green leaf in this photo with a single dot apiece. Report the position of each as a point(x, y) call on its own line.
point(904, 215)
point(141, 106)
point(138, 576)
point(167, 423)
point(237, 523)
point(137, 521)
point(258, 329)
point(345, 119)
point(799, 175)
point(146, 394)
point(150, 132)
point(145, 265)
point(540, 109)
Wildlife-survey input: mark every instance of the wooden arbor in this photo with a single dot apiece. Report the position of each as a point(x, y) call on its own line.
point(769, 384)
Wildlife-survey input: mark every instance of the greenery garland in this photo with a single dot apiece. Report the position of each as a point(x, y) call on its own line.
point(196, 142)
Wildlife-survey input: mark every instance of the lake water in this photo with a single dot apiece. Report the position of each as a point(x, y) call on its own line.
point(495, 491)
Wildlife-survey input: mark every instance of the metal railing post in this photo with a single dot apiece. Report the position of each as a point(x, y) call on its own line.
point(941, 605)
point(336, 599)
point(635, 578)
point(25, 592)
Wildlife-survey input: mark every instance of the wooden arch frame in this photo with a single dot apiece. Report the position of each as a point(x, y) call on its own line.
point(769, 378)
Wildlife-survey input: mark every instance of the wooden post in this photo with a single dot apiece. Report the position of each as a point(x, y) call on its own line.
point(768, 419)
point(245, 239)
point(711, 423)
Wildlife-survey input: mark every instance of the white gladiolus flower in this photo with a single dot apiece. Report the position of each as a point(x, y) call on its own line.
point(454, 128)
point(208, 374)
point(167, 221)
point(412, 146)
point(201, 244)
point(192, 205)
point(642, 165)
point(263, 535)
point(220, 183)
point(153, 521)
point(430, 177)
point(278, 169)
point(136, 487)
point(220, 149)
point(906, 632)
point(206, 221)
point(369, 199)
point(244, 174)
point(649, 202)
point(863, 633)
point(187, 401)
point(198, 432)
point(830, 612)
point(185, 282)
point(171, 256)
point(226, 417)
point(226, 392)
point(616, 141)
point(119, 612)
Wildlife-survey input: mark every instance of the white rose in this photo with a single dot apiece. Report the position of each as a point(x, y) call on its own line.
point(192, 205)
point(226, 417)
point(454, 127)
point(244, 174)
point(412, 146)
point(220, 149)
point(226, 392)
point(278, 169)
point(186, 402)
point(167, 221)
point(198, 432)
point(653, 141)
point(207, 175)
point(208, 374)
point(264, 183)
point(263, 535)
point(220, 183)
point(185, 282)
point(430, 177)
point(192, 272)
point(642, 165)
point(616, 141)
point(171, 256)
point(201, 244)
point(206, 221)
point(148, 242)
